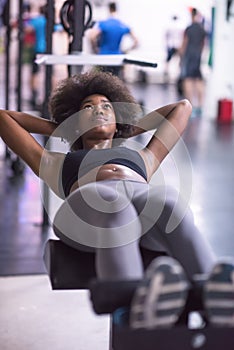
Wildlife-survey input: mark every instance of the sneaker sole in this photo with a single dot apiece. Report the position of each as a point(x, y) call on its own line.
point(160, 300)
point(219, 295)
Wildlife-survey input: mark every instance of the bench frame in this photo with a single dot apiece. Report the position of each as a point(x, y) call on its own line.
point(65, 266)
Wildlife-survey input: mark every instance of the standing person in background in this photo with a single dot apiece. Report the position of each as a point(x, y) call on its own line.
point(173, 35)
point(2, 13)
point(191, 52)
point(29, 36)
point(37, 24)
point(106, 37)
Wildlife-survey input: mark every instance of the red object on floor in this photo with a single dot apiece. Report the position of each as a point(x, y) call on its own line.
point(224, 110)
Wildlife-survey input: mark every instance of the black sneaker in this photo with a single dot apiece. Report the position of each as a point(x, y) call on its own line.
point(160, 299)
point(219, 295)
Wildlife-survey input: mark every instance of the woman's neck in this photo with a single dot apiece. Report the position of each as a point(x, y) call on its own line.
point(97, 144)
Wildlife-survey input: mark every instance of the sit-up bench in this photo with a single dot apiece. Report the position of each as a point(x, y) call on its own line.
point(72, 269)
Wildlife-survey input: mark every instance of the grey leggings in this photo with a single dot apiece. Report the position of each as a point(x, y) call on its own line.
point(115, 217)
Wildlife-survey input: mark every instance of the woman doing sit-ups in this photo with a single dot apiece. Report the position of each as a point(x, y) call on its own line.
point(109, 205)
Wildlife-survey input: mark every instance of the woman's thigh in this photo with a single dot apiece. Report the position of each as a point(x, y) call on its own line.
point(98, 215)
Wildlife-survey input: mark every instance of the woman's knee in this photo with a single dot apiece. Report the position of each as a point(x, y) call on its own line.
point(170, 211)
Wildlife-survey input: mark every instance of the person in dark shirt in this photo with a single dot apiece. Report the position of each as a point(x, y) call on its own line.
point(109, 205)
point(191, 54)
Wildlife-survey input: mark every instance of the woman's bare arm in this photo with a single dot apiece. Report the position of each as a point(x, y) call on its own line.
point(170, 122)
point(31, 123)
point(153, 119)
point(16, 129)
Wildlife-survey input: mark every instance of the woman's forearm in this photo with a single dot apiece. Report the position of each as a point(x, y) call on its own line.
point(153, 119)
point(31, 123)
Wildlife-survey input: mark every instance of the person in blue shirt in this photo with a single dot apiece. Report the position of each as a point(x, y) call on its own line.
point(37, 25)
point(106, 37)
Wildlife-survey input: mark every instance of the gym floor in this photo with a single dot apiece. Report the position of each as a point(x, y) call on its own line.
point(206, 159)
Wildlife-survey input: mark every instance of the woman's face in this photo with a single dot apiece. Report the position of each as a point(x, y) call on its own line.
point(97, 116)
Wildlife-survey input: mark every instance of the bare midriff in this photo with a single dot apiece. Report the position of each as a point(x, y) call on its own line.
point(108, 172)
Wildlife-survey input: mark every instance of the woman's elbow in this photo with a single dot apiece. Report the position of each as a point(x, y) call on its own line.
point(186, 107)
point(186, 104)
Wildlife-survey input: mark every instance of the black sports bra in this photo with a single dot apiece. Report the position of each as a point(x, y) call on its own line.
point(78, 163)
